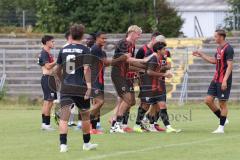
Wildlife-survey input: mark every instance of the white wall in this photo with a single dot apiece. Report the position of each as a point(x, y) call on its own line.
point(208, 22)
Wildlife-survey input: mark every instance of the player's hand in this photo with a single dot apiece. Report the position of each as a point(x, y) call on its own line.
point(87, 94)
point(168, 75)
point(224, 86)
point(197, 54)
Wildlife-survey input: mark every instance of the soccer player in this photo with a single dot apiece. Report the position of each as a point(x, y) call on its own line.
point(100, 59)
point(74, 61)
point(152, 89)
point(143, 52)
point(165, 62)
point(46, 61)
point(119, 73)
point(220, 86)
point(90, 40)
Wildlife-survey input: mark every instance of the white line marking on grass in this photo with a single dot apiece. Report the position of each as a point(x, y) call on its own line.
point(115, 154)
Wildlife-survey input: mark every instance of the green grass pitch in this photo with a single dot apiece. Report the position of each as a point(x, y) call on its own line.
point(22, 139)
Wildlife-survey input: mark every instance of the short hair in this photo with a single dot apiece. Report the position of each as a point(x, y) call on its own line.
point(221, 32)
point(158, 46)
point(155, 34)
point(46, 38)
point(99, 33)
point(77, 31)
point(67, 34)
point(134, 28)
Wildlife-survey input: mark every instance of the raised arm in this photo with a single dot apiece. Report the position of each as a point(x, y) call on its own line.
point(202, 55)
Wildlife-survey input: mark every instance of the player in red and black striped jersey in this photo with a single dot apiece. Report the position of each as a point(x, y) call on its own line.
point(220, 86)
point(143, 52)
point(153, 91)
point(120, 72)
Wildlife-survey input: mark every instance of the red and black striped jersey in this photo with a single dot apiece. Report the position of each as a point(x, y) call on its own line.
point(121, 68)
point(223, 55)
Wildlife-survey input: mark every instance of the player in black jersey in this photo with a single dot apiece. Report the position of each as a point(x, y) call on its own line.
point(98, 67)
point(47, 63)
point(74, 61)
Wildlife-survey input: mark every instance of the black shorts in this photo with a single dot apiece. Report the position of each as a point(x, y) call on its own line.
point(97, 90)
point(216, 91)
point(79, 101)
point(49, 88)
point(154, 100)
point(122, 86)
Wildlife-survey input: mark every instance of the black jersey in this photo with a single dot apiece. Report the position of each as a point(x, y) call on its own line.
point(72, 58)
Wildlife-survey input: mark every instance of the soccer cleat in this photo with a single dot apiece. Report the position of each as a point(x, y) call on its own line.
point(99, 127)
point(89, 146)
point(63, 148)
point(117, 128)
point(95, 131)
point(47, 127)
point(71, 124)
point(112, 129)
point(127, 129)
point(138, 129)
point(219, 130)
point(158, 128)
point(172, 130)
point(79, 126)
point(152, 128)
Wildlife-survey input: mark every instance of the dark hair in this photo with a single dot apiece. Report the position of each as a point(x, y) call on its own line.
point(92, 36)
point(155, 34)
point(77, 31)
point(46, 38)
point(99, 33)
point(158, 46)
point(67, 34)
point(221, 32)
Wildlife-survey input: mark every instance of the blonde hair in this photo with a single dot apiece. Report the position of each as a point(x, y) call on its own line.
point(134, 28)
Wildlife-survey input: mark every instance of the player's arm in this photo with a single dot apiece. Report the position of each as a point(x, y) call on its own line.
point(50, 65)
point(157, 74)
point(202, 55)
point(229, 58)
point(136, 69)
point(152, 64)
point(109, 61)
point(87, 76)
point(58, 71)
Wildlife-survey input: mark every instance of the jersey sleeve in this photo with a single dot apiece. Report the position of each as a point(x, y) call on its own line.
point(43, 59)
point(140, 54)
point(229, 54)
point(59, 59)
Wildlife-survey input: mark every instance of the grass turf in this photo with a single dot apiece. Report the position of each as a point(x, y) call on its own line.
point(22, 139)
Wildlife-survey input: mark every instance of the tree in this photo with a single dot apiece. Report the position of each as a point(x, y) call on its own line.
point(233, 20)
point(112, 16)
point(11, 13)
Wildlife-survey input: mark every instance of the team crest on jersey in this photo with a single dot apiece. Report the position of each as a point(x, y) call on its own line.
point(123, 88)
point(218, 56)
point(96, 91)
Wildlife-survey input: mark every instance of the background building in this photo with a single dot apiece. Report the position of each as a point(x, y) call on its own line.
point(210, 14)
